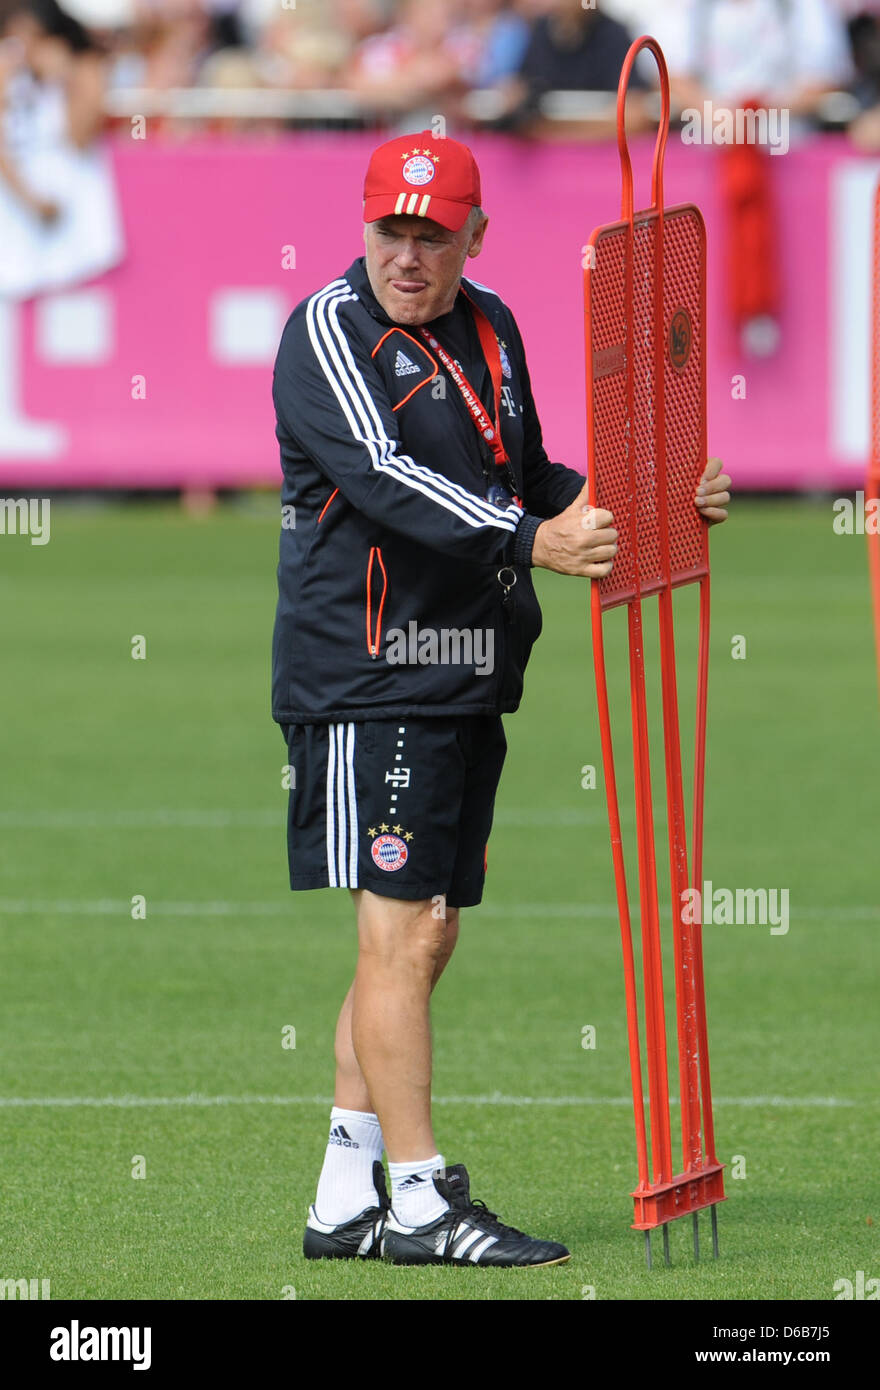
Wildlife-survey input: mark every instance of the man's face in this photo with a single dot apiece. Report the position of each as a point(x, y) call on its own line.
point(414, 265)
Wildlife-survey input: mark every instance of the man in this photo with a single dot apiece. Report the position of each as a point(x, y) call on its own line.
point(574, 48)
point(422, 496)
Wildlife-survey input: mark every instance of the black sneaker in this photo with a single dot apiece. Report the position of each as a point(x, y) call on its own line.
point(356, 1239)
point(467, 1234)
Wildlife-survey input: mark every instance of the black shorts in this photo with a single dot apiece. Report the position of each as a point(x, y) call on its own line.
point(402, 807)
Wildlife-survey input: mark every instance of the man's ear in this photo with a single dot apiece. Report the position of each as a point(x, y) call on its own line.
point(476, 245)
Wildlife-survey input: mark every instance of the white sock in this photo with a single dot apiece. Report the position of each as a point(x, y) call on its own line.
point(345, 1187)
point(414, 1198)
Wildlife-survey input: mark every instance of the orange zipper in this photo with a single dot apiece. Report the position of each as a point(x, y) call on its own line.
point(373, 646)
point(327, 504)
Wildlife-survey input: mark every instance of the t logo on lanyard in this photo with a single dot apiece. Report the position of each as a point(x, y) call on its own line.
point(490, 430)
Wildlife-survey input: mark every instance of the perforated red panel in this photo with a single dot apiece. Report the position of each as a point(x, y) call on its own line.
point(650, 564)
point(621, 342)
point(684, 263)
point(606, 394)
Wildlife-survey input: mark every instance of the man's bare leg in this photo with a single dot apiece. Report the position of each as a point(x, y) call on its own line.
point(345, 1186)
point(351, 1091)
point(384, 1057)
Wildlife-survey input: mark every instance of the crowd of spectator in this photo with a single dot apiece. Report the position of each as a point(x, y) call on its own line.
point(492, 62)
point(392, 62)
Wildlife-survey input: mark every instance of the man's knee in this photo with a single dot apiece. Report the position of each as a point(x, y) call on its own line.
point(392, 931)
point(450, 937)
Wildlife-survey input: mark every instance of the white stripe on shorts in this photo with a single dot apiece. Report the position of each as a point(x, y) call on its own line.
point(342, 826)
point(352, 810)
point(331, 803)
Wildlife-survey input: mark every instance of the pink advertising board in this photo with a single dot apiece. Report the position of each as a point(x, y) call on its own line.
point(158, 374)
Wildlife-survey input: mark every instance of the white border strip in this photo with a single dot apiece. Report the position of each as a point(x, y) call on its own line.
point(497, 1099)
point(114, 907)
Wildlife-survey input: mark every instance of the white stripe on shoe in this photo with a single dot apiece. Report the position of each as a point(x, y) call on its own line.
point(465, 1241)
point(370, 1238)
point(478, 1250)
point(324, 1227)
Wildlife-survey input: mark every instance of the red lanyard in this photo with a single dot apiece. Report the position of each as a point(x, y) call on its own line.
point(489, 429)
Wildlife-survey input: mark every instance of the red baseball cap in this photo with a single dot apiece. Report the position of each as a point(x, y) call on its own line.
point(424, 177)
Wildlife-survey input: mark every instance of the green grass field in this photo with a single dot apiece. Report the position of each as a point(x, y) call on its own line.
point(162, 1037)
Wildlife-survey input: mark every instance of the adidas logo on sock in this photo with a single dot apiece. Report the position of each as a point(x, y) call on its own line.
point(403, 366)
point(412, 1181)
point(339, 1135)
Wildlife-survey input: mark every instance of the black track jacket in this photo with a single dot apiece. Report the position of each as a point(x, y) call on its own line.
point(390, 603)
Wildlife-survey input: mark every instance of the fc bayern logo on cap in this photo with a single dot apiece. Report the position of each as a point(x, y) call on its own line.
point(389, 852)
point(419, 170)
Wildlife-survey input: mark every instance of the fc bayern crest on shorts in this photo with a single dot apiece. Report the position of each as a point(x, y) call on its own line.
point(419, 170)
point(389, 852)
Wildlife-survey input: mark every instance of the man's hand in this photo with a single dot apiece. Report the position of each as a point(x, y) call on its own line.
point(712, 494)
point(580, 540)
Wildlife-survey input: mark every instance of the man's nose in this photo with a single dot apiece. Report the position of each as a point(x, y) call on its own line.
point(409, 253)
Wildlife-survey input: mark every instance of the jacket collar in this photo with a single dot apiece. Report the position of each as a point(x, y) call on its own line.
point(357, 277)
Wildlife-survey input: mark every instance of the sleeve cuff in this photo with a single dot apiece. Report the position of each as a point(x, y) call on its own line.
point(577, 488)
point(524, 539)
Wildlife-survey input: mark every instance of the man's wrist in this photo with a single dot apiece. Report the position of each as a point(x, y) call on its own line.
point(524, 539)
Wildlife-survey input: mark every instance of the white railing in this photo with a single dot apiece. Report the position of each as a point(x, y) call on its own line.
point(330, 106)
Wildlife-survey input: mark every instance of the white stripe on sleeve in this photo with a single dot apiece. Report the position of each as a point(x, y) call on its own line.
point(334, 355)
